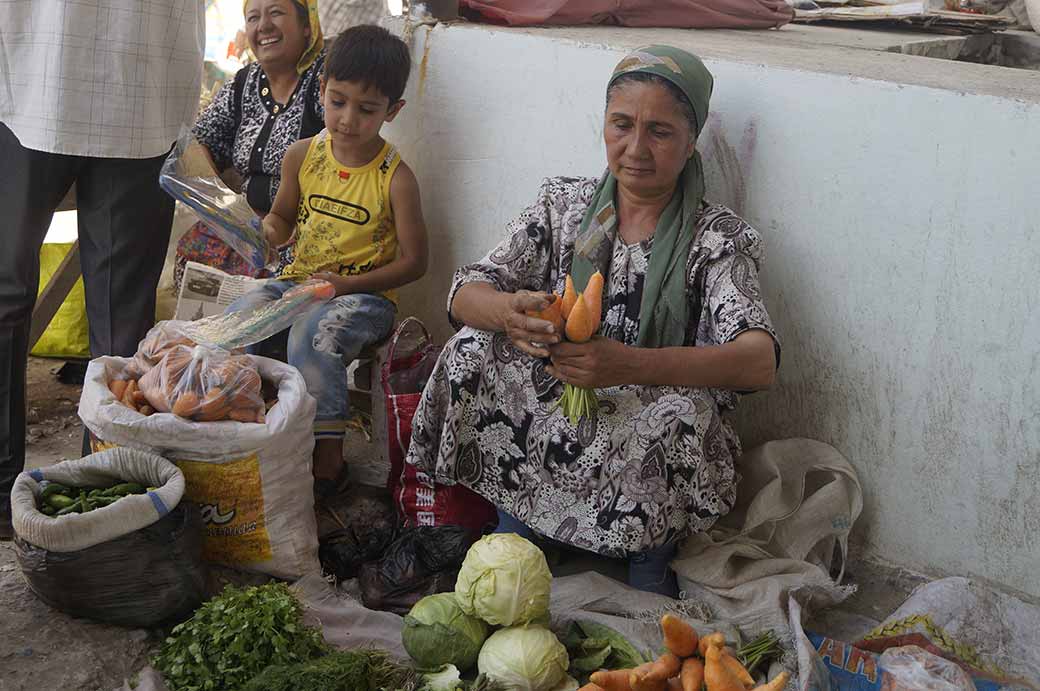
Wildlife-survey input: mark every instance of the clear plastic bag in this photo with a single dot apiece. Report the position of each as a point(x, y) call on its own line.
point(188, 177)
point(159, 340)
point(206, 385)
point(911, 668)
point(249, 326)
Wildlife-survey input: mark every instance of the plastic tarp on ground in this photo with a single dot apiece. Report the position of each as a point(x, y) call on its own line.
point(681, 14)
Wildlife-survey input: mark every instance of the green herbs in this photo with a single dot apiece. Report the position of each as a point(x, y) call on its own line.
point(234, 637)
point(761, 650)
point(352, 670)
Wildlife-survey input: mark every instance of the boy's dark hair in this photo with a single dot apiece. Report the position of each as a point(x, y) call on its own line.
point(373, 56)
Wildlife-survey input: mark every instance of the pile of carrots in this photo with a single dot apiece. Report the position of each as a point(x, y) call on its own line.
point(691, 664)
point(577, 316)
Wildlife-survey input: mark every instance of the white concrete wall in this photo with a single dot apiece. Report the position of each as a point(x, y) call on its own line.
point(901, 272)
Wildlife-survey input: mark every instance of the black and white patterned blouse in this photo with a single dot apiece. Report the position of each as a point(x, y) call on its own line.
point(654, 463)
point(246, 129)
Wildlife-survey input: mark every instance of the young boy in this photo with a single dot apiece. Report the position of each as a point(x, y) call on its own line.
point(353, 208)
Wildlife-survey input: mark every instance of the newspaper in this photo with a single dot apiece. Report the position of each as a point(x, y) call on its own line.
point(206, 292)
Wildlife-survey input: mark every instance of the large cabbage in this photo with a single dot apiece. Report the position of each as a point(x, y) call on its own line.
point(524, 658)
point(437, 632)
point(504, 580)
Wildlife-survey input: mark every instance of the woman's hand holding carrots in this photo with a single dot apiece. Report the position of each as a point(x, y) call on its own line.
point(528, 332)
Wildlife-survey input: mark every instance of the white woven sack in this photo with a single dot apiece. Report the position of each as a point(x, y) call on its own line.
point(252, 481)
point(73, 532)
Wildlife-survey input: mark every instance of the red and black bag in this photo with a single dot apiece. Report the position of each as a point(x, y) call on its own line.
point(419, 500)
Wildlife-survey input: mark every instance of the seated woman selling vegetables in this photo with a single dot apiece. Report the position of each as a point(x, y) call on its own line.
point(684, 328)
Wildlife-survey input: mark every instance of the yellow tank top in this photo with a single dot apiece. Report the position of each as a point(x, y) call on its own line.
point(344, 224)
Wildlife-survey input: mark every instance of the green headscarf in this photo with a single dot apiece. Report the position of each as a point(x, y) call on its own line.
point(664, 309)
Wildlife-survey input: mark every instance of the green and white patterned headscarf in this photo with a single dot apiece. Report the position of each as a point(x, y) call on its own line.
point(664, 310)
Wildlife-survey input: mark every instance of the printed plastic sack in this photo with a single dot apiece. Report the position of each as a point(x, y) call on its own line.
point(188, 177)
point(252, 481)
point(136, 562)
point(420, 562)
point(206, 385)
point(68, 335)
point(853, 668)
point(419, 500)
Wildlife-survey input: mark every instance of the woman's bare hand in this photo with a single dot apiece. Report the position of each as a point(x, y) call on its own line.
point(597, 364)
point(529, 334)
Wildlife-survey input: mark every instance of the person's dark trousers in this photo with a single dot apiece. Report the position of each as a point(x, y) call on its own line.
point(124, 229)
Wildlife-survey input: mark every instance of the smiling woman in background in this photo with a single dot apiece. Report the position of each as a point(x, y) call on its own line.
point(253, 119)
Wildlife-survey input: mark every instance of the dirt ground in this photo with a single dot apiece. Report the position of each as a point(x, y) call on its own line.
point(42, 649)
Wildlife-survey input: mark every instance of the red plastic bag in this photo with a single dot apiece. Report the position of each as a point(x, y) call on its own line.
point(681, 14)
point(418, 499)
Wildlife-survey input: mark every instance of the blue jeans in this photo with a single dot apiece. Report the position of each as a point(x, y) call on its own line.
point(649, 571)
point(323, 342)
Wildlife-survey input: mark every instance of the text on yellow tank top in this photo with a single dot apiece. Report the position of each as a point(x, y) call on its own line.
point(344, 224)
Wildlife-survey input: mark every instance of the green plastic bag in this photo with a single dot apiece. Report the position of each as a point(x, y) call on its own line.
point(67, 336)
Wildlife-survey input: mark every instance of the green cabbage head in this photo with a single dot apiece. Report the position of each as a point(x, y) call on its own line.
point(437, 632)
point(524, 658)
point(504, 580)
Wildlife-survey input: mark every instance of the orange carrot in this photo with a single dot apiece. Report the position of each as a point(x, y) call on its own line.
point(118, 388)
point(716, 675)
point(186, 404)
point(591, 687)
point(663, 668)
point(552, 314)
point(570, 296)
point(717, 639)
point(675, 685)
point(738, 670)
point(644, 684)
point(679, 637)
point(594, 298)
point(777, 684)
point(579, 323)
point(616, 680)
point(692, 674)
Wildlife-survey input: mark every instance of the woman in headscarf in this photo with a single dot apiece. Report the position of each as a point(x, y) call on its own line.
point(684, 329)
point(253, 119)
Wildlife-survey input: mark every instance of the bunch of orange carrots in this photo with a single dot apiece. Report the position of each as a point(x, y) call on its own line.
point(577, 316)
point(692, 663)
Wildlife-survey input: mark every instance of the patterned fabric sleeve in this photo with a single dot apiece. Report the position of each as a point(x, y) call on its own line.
point(215, 126)
point(734, 299)
point(522, 260)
